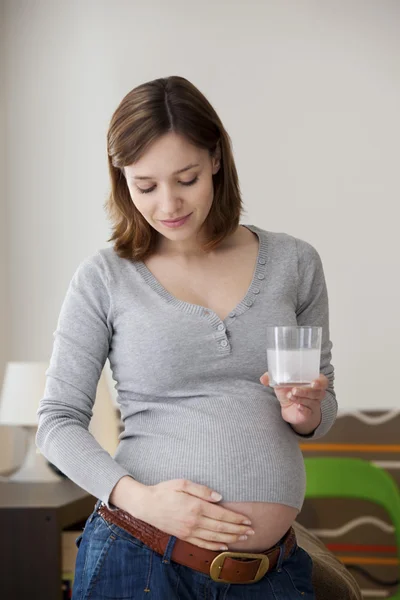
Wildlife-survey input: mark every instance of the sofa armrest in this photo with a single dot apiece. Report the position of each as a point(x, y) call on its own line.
point(331, 579)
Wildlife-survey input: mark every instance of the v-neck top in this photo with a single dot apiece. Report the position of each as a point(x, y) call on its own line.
point(254, 289)
point(187, 382)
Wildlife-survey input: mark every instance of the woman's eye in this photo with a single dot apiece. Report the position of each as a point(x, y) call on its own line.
point(192, 182)
point(148, 190)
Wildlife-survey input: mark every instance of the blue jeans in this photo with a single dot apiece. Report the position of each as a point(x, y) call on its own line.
point(113, 565)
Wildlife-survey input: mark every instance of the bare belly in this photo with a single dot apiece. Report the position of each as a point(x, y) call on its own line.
point(269, 521)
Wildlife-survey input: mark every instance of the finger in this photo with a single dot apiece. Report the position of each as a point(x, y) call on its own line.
point(214, 536)
point(322, 382)
point(224, 527)
point(223, 514)
point(208, 545)
point(303, 408)
point(265, 379)
point(198, 490)
point(312, 405)
point(297, 393)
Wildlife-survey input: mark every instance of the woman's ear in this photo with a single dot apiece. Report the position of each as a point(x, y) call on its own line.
point(216, 159)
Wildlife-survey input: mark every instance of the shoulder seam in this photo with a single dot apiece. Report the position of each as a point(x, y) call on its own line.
point(108, 284)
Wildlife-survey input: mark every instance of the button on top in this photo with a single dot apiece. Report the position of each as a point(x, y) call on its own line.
point(224, 343)
point(260, 276)
point(255, 290)
point(248, 302)
point(232, 314)
point(220, 327)
point(261, 261)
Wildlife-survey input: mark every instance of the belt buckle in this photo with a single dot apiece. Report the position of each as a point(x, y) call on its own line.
point(218, 563)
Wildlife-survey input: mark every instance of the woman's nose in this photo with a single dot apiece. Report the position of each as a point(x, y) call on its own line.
point(170, 202)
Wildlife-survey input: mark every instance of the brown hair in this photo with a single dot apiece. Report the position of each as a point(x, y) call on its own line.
point(147, 112)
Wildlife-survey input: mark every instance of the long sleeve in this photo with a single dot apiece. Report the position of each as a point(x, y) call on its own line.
point(312, 309)
point(81, 345)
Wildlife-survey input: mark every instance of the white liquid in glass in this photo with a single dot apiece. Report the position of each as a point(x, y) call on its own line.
point(287, 367)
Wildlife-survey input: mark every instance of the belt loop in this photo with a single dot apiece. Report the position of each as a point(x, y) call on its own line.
point(281, 555)
point(96, 506)
point(282, 548)
point(168, 550)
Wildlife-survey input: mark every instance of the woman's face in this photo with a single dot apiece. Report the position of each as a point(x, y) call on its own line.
point(171, 186)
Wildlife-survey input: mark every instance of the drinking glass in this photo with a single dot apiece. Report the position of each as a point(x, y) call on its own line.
point(293, 355)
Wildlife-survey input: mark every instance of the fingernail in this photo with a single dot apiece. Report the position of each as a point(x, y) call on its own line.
point(250, 532)
point(294, 391)
point(314, 384)
point(246, 522)
point(243, 537)
point(223, 547)
point(216, 496)
point(289, 395)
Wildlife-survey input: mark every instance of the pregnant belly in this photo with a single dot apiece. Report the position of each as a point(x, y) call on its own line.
point(269, 521)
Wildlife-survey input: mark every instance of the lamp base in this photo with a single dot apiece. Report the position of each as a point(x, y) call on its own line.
point(35, 467)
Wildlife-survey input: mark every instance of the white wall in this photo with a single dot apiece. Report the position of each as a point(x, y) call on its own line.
point(4, 439)
point(11, 439)
point(309, 92)
point(3, 228)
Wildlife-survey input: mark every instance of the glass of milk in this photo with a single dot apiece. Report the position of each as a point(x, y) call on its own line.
point(293, 355)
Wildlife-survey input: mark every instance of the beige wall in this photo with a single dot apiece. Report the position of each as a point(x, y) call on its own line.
point(3, 228)
point(6, 435)
point(309, 92)
point(12, 440)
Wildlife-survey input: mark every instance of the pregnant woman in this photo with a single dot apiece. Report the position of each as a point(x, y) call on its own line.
point(199, 499)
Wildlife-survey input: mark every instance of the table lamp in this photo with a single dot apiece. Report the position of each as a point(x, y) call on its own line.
point(23, 388)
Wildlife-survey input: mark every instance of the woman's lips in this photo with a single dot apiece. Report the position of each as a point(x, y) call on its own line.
point(176, 222)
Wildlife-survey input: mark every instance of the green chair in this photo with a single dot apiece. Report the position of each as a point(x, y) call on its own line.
point(329, 477)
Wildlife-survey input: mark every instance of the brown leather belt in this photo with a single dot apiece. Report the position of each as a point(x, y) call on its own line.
point(224, 567)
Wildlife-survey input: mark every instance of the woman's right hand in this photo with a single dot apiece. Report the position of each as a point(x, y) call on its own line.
point(189, 512)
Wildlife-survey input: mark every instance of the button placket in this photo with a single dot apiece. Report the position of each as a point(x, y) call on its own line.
point(221, 338)
point(221, 333)
point(224, 346)
point(258, 279)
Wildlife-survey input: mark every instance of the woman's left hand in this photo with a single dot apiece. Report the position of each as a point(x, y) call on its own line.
point(301, 405)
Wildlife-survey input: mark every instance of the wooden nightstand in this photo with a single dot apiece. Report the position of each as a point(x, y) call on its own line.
point(32, 518)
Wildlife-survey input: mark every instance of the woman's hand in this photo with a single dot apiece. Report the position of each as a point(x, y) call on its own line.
point(188, 511)
point(301, 405)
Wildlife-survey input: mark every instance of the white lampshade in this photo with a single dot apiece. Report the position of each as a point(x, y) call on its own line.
point(23, 388)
